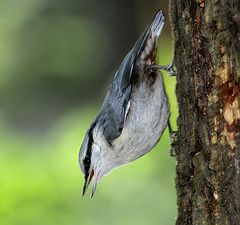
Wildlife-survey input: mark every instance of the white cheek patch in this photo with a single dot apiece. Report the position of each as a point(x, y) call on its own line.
point(96, 147)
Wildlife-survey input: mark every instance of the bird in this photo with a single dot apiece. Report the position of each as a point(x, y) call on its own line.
point(134, 113)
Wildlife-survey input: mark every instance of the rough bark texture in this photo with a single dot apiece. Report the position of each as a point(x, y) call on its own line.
point(207, 58)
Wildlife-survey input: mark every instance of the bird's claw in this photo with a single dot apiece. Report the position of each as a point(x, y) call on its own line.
point(169, 68)
point(172, 151)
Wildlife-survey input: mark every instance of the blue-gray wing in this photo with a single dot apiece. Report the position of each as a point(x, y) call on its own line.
point(114, 108)
point(115, 104)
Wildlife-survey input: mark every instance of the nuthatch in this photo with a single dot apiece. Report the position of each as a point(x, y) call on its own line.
point(134, 114)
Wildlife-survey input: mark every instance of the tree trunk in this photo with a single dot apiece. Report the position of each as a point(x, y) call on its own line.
point(207, 58)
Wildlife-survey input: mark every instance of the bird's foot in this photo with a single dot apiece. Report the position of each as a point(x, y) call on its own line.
point(173, 135)
point(169, 68)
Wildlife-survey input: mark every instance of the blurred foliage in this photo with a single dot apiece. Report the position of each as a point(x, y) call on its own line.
point(56, 58)
point(41, 182)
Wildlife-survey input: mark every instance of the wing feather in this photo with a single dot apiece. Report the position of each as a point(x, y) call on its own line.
point(116, 103)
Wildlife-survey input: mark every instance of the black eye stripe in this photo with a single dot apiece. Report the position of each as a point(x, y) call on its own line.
point(87, 159)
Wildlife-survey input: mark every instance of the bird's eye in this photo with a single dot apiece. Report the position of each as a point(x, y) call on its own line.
point(86, 161)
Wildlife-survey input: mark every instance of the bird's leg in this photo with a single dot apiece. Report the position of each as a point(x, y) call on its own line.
point(172, 140)
point(169, 68)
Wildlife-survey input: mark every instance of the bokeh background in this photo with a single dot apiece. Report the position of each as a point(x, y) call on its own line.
point(57, 59)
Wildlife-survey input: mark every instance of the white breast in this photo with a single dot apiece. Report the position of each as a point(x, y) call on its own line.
point(145, 122)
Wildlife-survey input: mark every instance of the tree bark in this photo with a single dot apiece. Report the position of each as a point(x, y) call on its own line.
point(207, 58)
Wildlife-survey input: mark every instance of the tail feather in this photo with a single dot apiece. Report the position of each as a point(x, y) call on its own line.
point(157, 23)
point(147, 43)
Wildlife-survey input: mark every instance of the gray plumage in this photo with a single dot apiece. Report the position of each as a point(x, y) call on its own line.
point(133, 115)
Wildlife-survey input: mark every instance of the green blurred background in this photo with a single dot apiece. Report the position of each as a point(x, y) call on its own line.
point(57, 59)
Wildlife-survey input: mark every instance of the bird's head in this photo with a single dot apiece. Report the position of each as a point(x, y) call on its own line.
point(94, 159)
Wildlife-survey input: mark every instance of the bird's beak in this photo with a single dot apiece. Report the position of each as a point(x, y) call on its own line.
point(88, 181)
point(94, 186)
